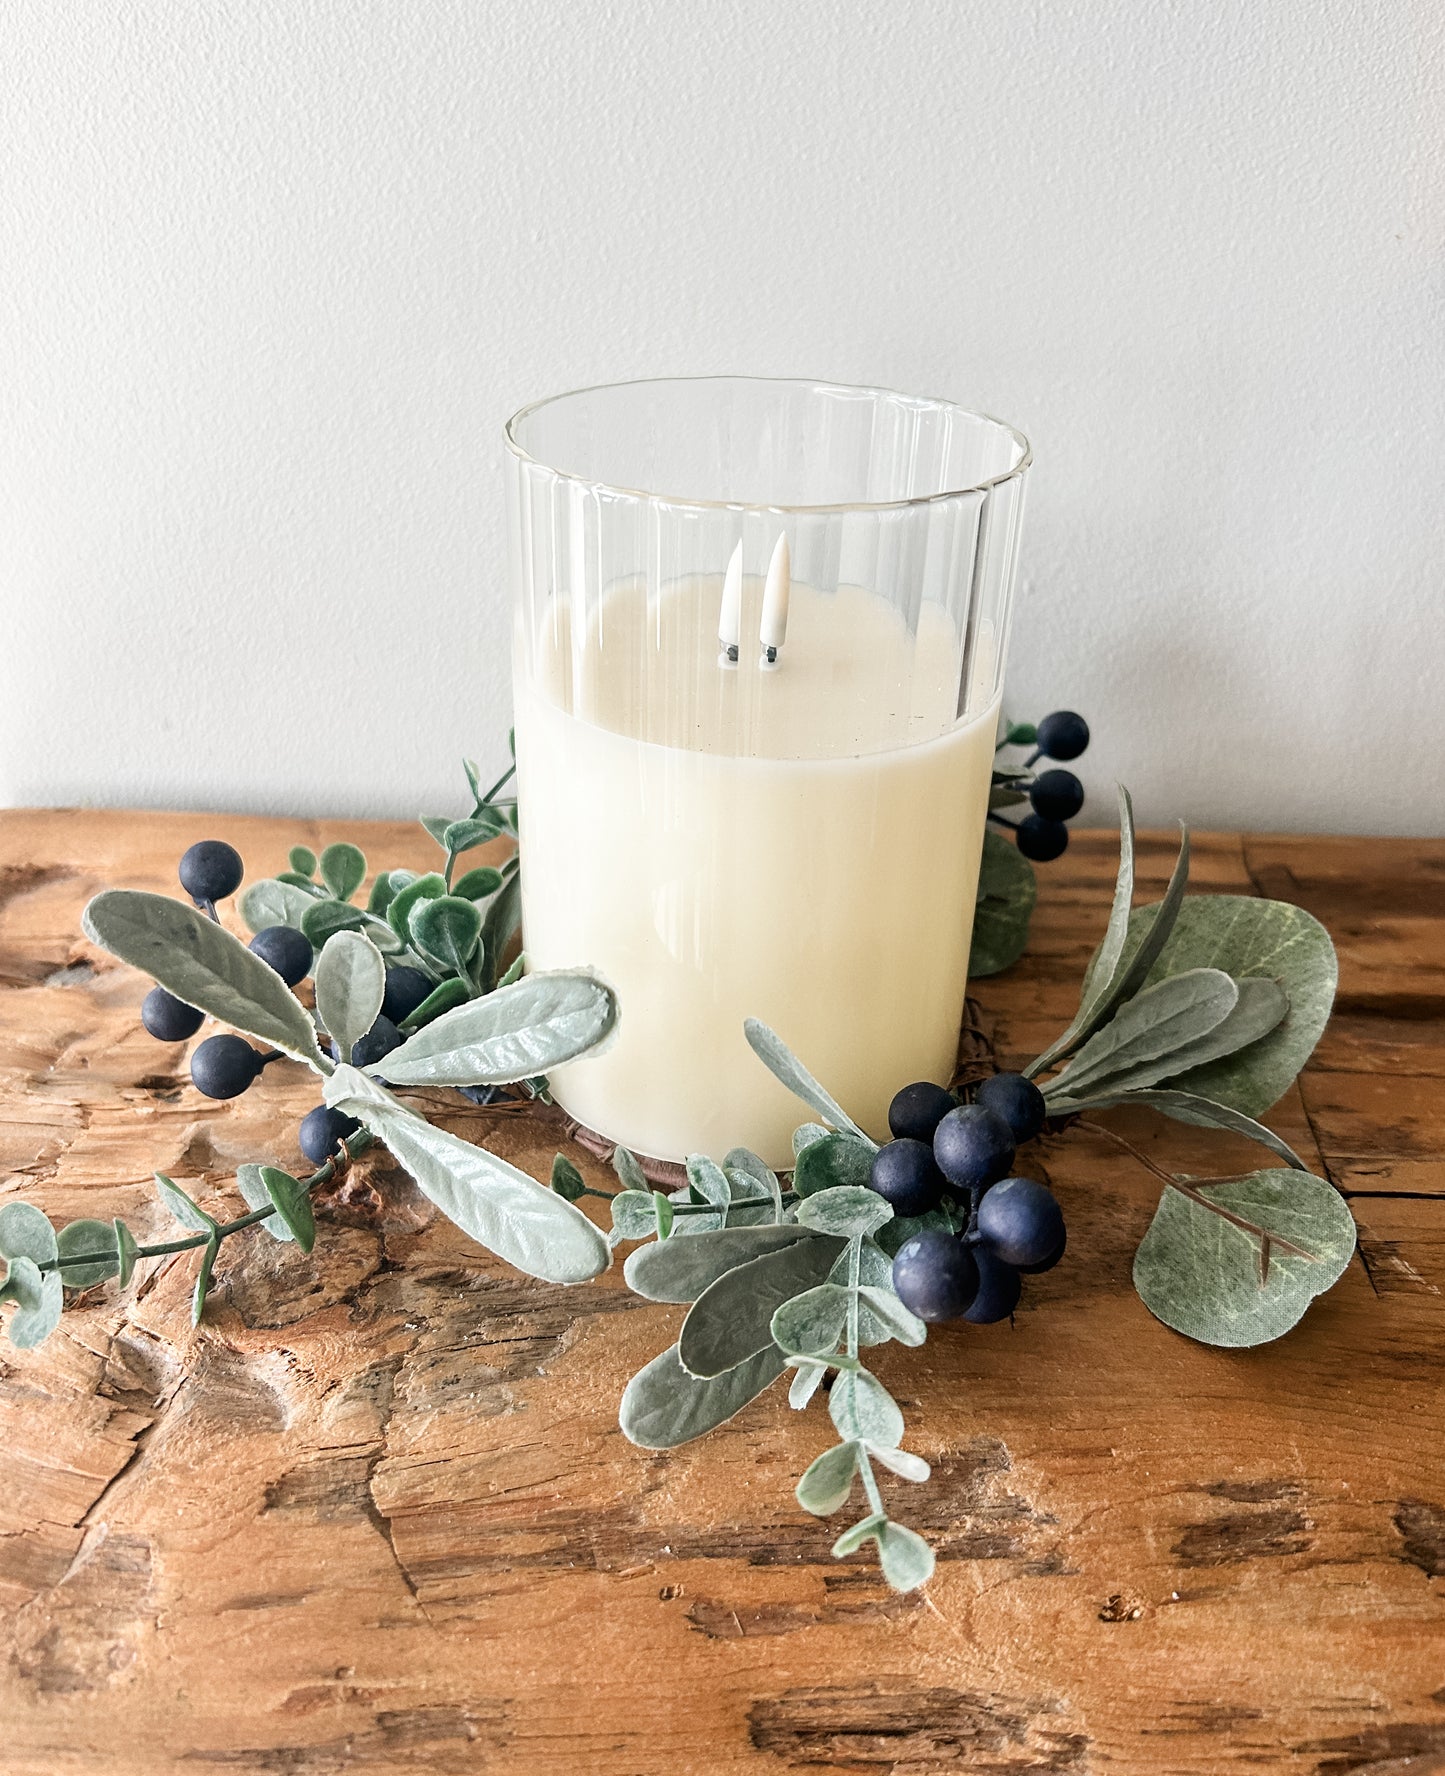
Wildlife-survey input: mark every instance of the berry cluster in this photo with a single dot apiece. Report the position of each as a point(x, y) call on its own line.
point(224, 1066)
point(944, 1152)
point(1055, 796)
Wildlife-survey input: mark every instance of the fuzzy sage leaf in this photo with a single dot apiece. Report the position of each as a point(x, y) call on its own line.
point(731, 1320)
point(1150, 1026)
point(350, 986)
point(681, 1269)
point(785, 1066)
point(663, 1405)
point(514, 1033)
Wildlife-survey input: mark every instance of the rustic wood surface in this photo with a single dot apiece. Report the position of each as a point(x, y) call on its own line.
point(375, 1514)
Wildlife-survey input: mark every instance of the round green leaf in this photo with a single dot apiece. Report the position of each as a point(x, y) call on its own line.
point(447, 929)
point(87, 1237)
point(25, 1232)
point(343, 869)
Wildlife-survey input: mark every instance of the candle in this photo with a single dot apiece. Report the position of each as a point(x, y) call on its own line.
point(747, 791)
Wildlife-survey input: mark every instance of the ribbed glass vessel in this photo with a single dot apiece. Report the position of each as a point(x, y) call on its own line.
point(760, 630)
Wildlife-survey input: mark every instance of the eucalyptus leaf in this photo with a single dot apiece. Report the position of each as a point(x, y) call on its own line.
point(682, 1269)
point(866, 1529)
point(303, 860)
point(837, 1162)
point(708, 1183)
point(663, 1406)
point(906, 1559)
point(292, 1203)
point(828, 1480)
point(80, 1238)
point(811, 1324)
point(499, 1206)
point(538, 1023)
point(1007, 890)
point(252, 1187)
point(26, 1232)
point(862, 1407)
point(846, 1210)
point(634, 1216)
point(343, 869)
point(1246, 937)
point(1203, 1275)
point(1205, 1113)
point(785, 1066)
point(906, 1466)
point(477, 884)
point(447, 929)
point(350, 986)
point(1150, 1026)
point(748, 1184)
point(203, 1279)
point(629, 1172)
point(127, 1251)
point(398, 913)
point(805, 1135)
point(204, 966)
point(39, 1300)
point(566, 1179)
point(269, 902)
point(732, 1319)
point(190, 1214)
point(805, 1383)
point(885, 1307)
point(663, 1210)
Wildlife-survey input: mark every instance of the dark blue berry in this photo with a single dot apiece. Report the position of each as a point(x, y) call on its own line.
point(998, 1288)
point(935, 1276)
point(223, 1066)
point(974, 1147)
point(918, 1109)
point(287, 950)
point(169, 1019)
point(211, 870)
point(1049, 1262)
point(1022, 1221)
point(379, 1040)
point(1062, 735)
point(904, 1174)
point(1056, 795)
point(1017, 1100)
point(406, 989)
point(322, 1131)
point(1042, 840)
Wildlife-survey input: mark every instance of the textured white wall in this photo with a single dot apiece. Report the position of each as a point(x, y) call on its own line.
point(273, 274)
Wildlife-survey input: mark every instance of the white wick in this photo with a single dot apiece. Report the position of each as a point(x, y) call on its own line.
point(730, 617)
point(774, 626)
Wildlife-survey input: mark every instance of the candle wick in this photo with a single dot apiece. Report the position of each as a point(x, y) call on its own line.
point(730, 614)
point(776, 590)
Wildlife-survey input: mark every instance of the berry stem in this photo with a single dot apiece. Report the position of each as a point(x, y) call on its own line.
point(351, 1146)
point(1000, 820)
point(1033, 758)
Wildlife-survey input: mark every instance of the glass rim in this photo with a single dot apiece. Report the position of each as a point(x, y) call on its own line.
point(1025, 461)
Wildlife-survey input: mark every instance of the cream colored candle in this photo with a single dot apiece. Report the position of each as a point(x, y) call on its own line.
point(798, 844)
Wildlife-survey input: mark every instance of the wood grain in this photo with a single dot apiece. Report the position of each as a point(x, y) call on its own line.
point(375, 1514)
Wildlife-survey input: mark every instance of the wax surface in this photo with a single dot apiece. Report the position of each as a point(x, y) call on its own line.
point(791, 846)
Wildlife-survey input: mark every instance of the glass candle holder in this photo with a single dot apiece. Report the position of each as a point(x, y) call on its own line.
point(760, 630)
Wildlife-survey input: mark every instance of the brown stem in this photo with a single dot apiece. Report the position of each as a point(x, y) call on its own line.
point(1267, 1240)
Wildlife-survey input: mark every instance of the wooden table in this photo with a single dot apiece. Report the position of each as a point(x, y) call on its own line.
point(376, 1513)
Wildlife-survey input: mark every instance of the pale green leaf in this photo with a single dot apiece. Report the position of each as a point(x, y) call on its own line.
point(906, 1466)
point(663, 1405)
point(785, 1066)
point(190, 1214)
point(828, 1480)
point(886, 1308)
point(805, 1135)
point(906, 1559)
point(811, 1324)
point(269, 902)
point(252, 1187)
point(805, 1383)
point(39, 1300)
point(682, 1269)
point(837, 1162)
point(845, 1210)
point(82, 1238)
point(350, 980)
point(866, 1529)
point(1150, 1026)
point(514, 1033)
point(862, 1407)
point(26, 1232)
point(732, 1319)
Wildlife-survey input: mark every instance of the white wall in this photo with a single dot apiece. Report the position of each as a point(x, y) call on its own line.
point(272, 275)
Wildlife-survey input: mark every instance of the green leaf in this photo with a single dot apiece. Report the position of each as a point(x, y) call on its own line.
point(1201, 1113)
point(514, 1033)
point(446, 930)
point(885, 1307)
point(631, 1175)
point(708, 1181)
point(499, 1206)
point(462, 835)
point(785, 1066)
point(1260, 1006)
point(127, 1251)
point(383, 892)
point(805, 1135)
point(566, 1179)
point(343, 869)
point(663, 1210)
point(861, 1407)
point(78, 1238)
point(837, 1162)
point(732, 1319)
point(828, 1480)
point(26, 1232)
point(1245, 937)
point(758, 1180)
point(303, 860)
point(190, 1214)
point(477, 884)
point(905, 1465)
point(845, 1210)
point(1203, 1275)
point(1007, 890)
point(514, 973)
point(252, 1187)
point(203, 965)
point(805, 1383)
point(906, 1559)
point(474, 777)
point(203, 1279)
point(269, 902)
point(324, 918)
point(398, 913)
point(1004, 795)
point(350, 986)
point(663, 1406)
point(865, 1530)
point(442, 998)
point(1150, 1026)
point(634, 1216)
point(811, 1324)
point(436, 825)
point(682, 1269)
point(38, 1300)
point(294, 879)
point(504, 916)
point(1020, 734)
point(293, 1205)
